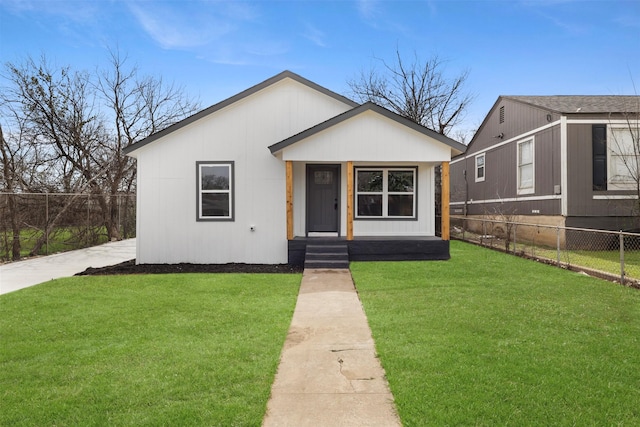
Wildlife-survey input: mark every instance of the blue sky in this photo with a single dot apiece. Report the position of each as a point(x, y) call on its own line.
point(216, 49)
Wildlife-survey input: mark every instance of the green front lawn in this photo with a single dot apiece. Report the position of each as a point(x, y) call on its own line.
point(483, 339)
point(191, 349)
point(491, 339)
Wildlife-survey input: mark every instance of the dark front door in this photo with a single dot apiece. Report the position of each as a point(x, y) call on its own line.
point(323, 194)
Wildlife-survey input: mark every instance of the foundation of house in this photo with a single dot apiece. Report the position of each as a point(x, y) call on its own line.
point(392, 248)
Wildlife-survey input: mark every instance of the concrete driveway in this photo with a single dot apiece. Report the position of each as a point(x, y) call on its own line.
point(22, 274)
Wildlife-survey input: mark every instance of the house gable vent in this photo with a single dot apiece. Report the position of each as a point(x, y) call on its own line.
point(502, 114)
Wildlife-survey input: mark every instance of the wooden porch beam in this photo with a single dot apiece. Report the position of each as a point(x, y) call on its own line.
point(289, 184)
point(444, 225)
point(349, 200)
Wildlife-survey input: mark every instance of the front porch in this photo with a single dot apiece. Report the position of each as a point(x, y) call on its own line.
point(393, 248)
point(364, 247)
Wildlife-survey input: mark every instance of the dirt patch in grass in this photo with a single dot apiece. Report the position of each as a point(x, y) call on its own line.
point(130, 267)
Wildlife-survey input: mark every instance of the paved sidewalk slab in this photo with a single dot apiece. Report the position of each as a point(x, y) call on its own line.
point(22, 274)
point(329, 374)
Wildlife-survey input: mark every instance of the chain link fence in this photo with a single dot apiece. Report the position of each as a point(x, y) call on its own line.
point(76, 221)
point(606, 254)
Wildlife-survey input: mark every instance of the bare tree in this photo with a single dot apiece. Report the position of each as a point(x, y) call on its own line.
point(419, 91)
point(79, 123)
point(137, 108)
point(22, 169)
point(9, 159)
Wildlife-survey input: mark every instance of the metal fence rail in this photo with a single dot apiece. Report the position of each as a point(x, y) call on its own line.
point(77, 221)
point(607, 254)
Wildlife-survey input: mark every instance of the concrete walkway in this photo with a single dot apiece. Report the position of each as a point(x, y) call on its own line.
point(22, 274)
point(329, 374)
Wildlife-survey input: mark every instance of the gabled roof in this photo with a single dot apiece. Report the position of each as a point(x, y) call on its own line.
point(367, 106)
point(212, 109)
point(571, 104)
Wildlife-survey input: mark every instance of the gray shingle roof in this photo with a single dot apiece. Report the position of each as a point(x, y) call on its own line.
point(583, 103)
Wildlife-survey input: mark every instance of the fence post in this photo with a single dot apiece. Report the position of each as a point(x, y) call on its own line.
point(484, 231)
point(46, 222)
point(558, 244)
point(88, 219)
point(118, 199)
point(515, 232)
point(464, 228)
point(621, 240)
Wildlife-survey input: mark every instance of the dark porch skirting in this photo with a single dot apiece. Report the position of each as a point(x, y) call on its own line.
point(377, 248)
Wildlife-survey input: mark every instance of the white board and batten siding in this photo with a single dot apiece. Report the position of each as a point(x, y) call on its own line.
point(167, 230)
point(370, 139)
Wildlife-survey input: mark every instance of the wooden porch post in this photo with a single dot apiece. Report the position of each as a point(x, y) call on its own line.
point(289, 168)
point(349, 200)
point(444, 225)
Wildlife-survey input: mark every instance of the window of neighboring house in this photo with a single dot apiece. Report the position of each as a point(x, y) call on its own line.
point(526, 171)
point(623, 157)
point(385, 192)
point(480, 170)
point(215, 191)
point(599, 148)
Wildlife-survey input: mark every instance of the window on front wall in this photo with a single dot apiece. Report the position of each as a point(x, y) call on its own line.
point(385, 192)
point(215, 191)
point(623, 157)
point(480, 169)
point(526, 169)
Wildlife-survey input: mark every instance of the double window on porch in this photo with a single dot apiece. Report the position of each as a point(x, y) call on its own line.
point(385, 193)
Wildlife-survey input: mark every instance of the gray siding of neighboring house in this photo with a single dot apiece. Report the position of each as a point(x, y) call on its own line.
point(458, 186)
point(518, 119)
point(501, 163)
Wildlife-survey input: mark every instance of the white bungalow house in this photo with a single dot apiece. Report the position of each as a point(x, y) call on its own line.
point(257, 177)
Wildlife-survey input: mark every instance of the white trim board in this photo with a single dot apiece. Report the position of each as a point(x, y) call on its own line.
point(508, 199)
point(615, 197)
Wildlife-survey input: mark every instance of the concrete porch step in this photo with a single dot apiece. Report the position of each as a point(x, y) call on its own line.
point(326, 255)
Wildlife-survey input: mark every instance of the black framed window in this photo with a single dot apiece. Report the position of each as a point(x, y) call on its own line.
point(215, 198)
point(385, 192)
point(599, 146)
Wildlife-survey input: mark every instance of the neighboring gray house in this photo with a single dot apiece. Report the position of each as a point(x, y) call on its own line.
point(557, 160)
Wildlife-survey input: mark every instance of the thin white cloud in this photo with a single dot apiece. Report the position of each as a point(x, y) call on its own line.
point(85, 12)
point(550, 11)
point(173, 29)
point(374, 14)
point(221, 32)
point(315, 35)
point(369, 9)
